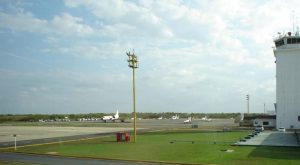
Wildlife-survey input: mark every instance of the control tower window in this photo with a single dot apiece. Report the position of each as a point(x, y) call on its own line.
point(294, 40)
point(289, 41)
point(279, 43)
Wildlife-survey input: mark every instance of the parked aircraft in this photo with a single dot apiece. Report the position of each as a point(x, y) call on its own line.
point(111, 118)
point(160, 118)
point(189, 120)
point(205, 119)
point(175, 117)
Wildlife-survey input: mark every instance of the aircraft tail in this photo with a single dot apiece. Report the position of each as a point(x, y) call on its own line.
point(242, 117)
point(117, 114)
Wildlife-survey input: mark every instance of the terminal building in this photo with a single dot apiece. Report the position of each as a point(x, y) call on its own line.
point(287, 54)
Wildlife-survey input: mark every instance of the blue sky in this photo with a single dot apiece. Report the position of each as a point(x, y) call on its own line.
point(194, 56)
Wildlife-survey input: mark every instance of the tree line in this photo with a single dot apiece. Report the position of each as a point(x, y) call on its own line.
point(74, 117)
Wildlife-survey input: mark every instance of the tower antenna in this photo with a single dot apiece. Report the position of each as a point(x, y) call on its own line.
point(293, 17)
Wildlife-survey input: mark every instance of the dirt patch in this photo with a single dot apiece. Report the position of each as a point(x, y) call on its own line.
point(227, 150)
point(52, 153)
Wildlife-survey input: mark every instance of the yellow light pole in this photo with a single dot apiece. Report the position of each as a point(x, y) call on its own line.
point(133, 63)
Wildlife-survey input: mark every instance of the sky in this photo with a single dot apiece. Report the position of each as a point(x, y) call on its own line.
point(194, 56)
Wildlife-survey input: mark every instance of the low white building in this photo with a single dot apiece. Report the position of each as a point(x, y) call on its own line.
point(266, 121)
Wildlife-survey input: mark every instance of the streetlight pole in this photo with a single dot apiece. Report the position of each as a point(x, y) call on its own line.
point(133, 63)
point(248, 98)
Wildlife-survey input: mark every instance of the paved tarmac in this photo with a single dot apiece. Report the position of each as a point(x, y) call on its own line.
point(56, 160)
point(51, 132)
point(44, 132)
point(272, 138)
point(27, 135)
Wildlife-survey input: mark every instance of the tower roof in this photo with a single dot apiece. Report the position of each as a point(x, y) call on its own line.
point(287, 41)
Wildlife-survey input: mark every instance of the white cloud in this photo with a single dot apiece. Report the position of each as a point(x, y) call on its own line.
point(63, 24)
point(67, 24)
point(22, 21)
point(128, 14)
point(91, 50)
point(198, 53)
point(108, 10)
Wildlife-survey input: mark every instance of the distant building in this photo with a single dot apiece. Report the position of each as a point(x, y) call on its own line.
point(287, 54)
point(271, 113)
point(268, 121)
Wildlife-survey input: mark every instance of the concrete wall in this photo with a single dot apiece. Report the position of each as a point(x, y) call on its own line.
point(288, 87)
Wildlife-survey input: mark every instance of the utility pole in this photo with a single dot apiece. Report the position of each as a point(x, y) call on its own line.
point(15, 137)
point(133, 63)
point(248, 98)
point(264, 108)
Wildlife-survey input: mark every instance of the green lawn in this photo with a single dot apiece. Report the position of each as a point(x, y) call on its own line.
point(187, 147)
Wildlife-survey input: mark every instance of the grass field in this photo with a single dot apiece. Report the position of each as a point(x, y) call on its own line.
point(172, 146)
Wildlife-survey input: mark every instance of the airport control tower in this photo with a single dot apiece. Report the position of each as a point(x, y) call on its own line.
point(287, 54)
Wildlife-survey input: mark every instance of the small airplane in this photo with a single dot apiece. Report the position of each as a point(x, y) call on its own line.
point(175, 117)
point(112, 118)
point(205, 119)
point(160, 118)
point(189, 120)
